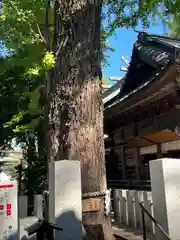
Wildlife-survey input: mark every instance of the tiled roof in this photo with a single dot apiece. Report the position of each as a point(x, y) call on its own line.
point(151, 54)
point(112, 92)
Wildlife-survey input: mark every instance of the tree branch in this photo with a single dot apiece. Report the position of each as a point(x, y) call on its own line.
point(39, 31)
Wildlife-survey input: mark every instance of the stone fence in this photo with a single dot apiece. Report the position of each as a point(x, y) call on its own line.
point(163, 203)
point(37, 206)
point(127, 210)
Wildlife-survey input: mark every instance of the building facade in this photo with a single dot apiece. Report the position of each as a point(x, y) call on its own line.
point(142, 121)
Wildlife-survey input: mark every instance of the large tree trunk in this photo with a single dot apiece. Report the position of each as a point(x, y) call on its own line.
point(76, 108)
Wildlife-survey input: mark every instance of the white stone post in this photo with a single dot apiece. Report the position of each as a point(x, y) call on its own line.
point(121, 206)
point(22, 206)
point(140, 200)
point(149, 207)
point(116, 205)
point(38, 206)
point(134, 218)
point(137, 210)
point(130, 202)
point(165, 183)
point(125, 216)
point(65, 202)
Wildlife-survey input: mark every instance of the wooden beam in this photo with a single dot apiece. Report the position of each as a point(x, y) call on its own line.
point(159, 151)
point(162, 87)
point(138, 164)
point(123, 164)
point(106, 86)
point(124, 169)
point(135, 129)
point(138, 159)
point(151, 111)
point(149, 140)
point(116, 79)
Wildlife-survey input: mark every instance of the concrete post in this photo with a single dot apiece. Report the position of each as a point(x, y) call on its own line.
point(121, 206)
point(140, 200)
point(125, 216)
point(22, 206)
point(137, 210)
point(165, 183)
point(65, 198)
point(134, 221)
point(149, 208)
point(38, 206)
point(130, 202)
point(116, 205)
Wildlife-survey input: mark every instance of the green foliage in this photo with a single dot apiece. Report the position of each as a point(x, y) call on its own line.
point(129, 13)
point(22, 23)
point(174, 26)
point(15, 119)
point(104, 80)
point(105, 46)
point(21, 29)
point(20, 111)
point(48, 61)
point(36, 166)
point(19, 101)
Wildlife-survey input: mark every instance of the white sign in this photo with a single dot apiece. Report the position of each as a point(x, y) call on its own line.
point(8, 210)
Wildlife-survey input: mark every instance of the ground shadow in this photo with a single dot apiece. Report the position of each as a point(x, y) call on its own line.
point(71, 225)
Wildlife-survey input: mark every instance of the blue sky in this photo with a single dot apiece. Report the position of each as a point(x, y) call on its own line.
point(123, 43)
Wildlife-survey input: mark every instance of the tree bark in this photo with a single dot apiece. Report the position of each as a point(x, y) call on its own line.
point(76, 107)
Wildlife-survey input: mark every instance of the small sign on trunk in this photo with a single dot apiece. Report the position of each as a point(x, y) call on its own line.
point(91, 205)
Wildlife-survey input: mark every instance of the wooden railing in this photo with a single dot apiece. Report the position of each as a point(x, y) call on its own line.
point(143, 212)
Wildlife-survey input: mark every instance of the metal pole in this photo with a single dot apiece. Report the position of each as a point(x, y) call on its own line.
point(155, 222)
point(143, 224)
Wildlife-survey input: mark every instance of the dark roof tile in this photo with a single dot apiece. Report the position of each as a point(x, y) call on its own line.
point(150, 54)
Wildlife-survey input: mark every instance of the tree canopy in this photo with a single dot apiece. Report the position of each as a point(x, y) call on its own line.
point(174, 26)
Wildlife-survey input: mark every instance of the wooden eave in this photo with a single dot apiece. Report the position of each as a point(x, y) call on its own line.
point(161, 85)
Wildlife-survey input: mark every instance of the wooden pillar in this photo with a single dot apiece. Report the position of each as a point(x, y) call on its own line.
point(123, 156)
point(138, 159)
point(157, 124)
point(138, 163)
point(123, 163)
point(159, 151)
